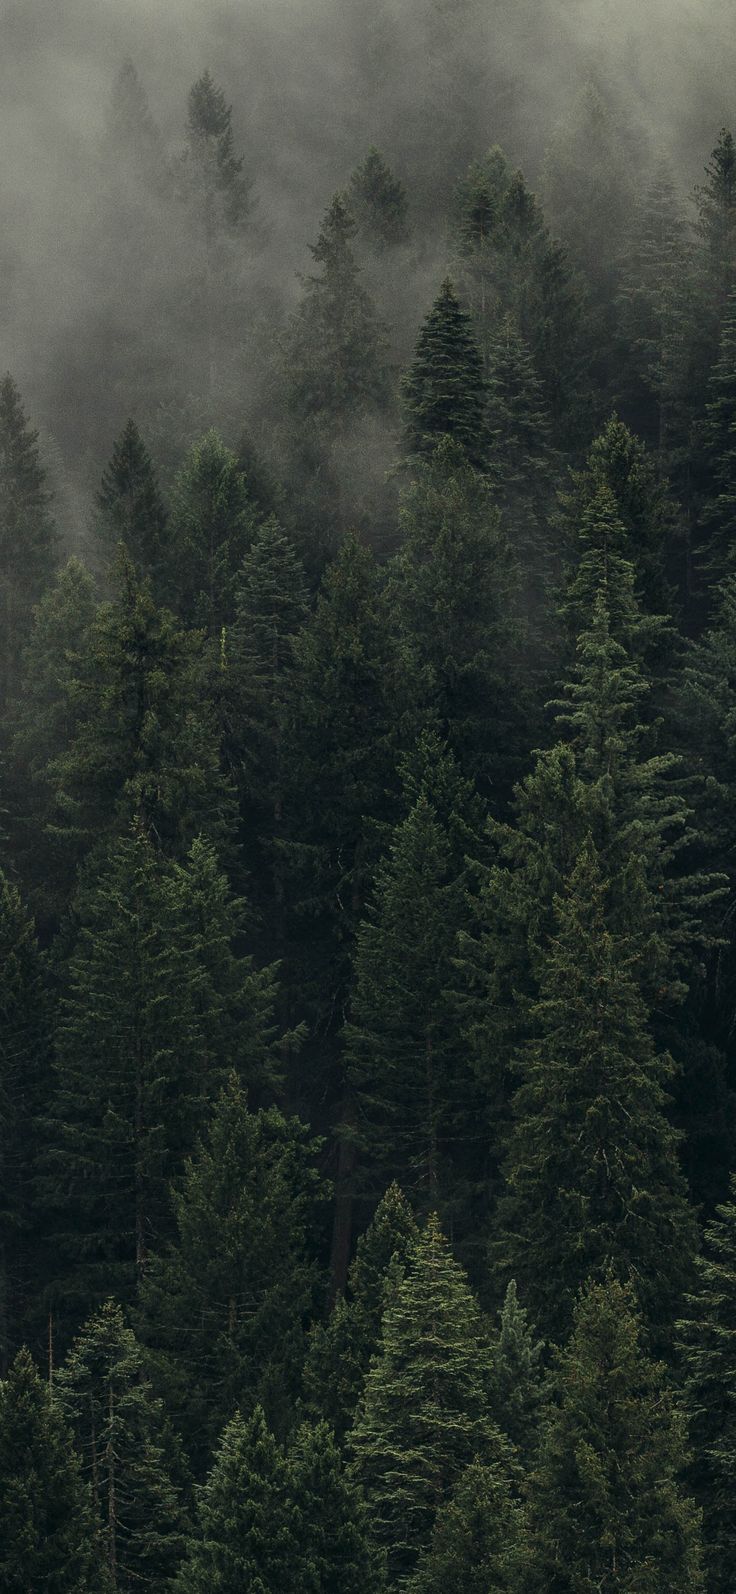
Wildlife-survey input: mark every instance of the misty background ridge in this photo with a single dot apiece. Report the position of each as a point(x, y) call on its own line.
point(97, 265)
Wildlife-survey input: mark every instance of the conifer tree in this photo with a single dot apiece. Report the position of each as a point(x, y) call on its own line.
point(718, 556)
point(516, 1376)
point(156, 1009)
point(128, 1453)
point(27, 538)
point(592, 1177)
point(45, 719)
point(24, 1083)
point(245, 1535)
point(477, 1542)
point(424, 1414)
point(340, 1350)
point(334, 346)
point(212, 526)
point(655, 304)
point(131, 510)
point(48, 1538)
point(330, 1519)
point(143, 740)
point(133, 137)
point(444, 388)
point(454, 590)
point(405, 1057)
point(588, 191)
point(708, 1343)
point(224, 1306)
point(607, 1507)
point(379, 203)
point(213, 172)
point(716, 200)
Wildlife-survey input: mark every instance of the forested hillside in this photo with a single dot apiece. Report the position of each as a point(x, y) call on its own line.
point(368, 834)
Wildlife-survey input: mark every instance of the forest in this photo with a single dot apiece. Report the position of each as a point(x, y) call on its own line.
point(367, 807)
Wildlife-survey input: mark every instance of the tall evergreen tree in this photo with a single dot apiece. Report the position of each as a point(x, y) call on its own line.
point(340, 1350)
point(48, 1538)
point(27, 537)
point(128, 1453)
point(424, 1415)
point(213, 172)
point(607, 1507)
point(478, 1538)
point(334, 346)
point(405, 1057)
point(516, 1376)
point(224, 1307)
point(156, 1009)
point(331, 1521)
point(245, 1534)
point(133, 136)
point(655, 304)
point(131, 510)
point(212, 526)
point(718, 555)
point(708, 1342)
point(379, 203)
point(24, 1083)
point(453, 588)
point(592, 1178)
point(716, 201)
point(444, 389)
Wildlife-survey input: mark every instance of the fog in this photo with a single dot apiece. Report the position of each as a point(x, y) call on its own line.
point(92, 262)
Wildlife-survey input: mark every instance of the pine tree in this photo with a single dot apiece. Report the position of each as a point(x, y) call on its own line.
point(212, 526)
point(655, 303)
point(155, 1010)
point(245, 1530)
point(453, 589)
point(716, 200)
point(424, 1415)
point(592, 1178)
point(48, 1539)
point(131, 510)
point(379, 203)
point(46, 718)
point(607, 1509)
point(444, 389)
point(128, 1453)
point(143, 741)
point(213, 172)
point(224, 1306)
point(27, 538)
point(330, 1519)
point(708, 1343)
point(133, 137)
point(477, 1542)
point(588, 188)
point(340, 1350)
point(516, 1377)
point(24, 1081)
point(718, 556)
point(406, 1060)
point(334, 347)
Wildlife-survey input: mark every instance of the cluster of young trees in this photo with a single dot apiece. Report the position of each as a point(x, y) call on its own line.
point(368, 981)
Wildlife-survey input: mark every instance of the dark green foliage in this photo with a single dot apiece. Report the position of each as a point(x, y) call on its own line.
point(27, 538)
point(48, 1539)
point(156, 1009)
point(379, 203)
point(334, 353)
point(708, 1337)
point(478, 1539)
point(213, 172)
point(454, 591)
point(719, 447)
point(655, 301)
point(130, 510)
point(24, 1083)
point(591, 1165)
point(340, 1350)
point(516, 1376)
point(330, 1519)
point(716, 199)
point(425, 1412)
point(129, 1456)
point(143, 742)
point(225, 1305)
point(608, 1511)
point(246, 1527)
point(212, 526)
point(406, 1058)
point(444, 388)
